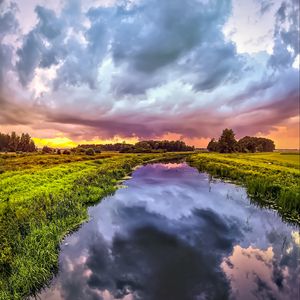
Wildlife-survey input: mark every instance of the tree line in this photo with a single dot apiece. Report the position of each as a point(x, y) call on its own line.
point(13, 143)
point(102, 147)
point(225, 144)
point(228, 144)
point(159, 146)
point(140, 147)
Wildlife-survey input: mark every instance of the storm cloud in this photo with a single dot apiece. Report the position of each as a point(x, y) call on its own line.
point(148, 68)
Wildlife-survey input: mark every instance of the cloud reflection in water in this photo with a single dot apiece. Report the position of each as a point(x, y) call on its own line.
point(174, 234)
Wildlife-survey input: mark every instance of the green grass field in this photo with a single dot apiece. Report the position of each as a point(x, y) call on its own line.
point(42, 198)
point(271, 179)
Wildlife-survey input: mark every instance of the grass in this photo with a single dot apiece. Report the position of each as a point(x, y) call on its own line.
point(14, 162)
point(44, 197)
point(271, 179)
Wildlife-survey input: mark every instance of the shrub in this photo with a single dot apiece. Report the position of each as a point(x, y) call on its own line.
point(80, 150)
point(47, 149)
point(90, 151)
point(68, 152)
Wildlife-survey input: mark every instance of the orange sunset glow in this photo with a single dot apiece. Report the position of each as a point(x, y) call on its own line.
point(79, 77)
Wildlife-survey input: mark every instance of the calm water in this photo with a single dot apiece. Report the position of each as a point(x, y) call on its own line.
point(171, 234)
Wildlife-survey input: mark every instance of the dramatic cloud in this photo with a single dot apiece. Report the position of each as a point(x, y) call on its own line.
point(8, 25)
point(151, 68)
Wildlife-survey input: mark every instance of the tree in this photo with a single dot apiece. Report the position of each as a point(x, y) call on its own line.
point(127, 149)
point(213, 146)
point(142, 147)
point(4, 141)
point(67, 152)
point(47, 150)
point(90, 151)
point(247, 144)
point(227, 142)
point(255, 144)
point(25, 143)
point(266, 145)
point(32, 147)
point(13, 142)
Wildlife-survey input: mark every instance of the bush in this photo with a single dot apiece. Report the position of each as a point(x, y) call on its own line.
point(90, 151)
point(68, 152)
point(80, 150)
point(47, 149)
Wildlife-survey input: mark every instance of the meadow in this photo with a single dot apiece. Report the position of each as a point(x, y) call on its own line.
point(271, 179)
point(43, 198)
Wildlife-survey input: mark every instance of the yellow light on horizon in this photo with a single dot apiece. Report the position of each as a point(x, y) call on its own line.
point(57, 142)
point(64, 142)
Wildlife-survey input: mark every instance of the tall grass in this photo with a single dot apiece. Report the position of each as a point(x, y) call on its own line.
point(40, 205)
point(269, 179)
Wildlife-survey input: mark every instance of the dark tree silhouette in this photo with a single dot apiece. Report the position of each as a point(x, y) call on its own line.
point(139, 147)
point(227, 142)
point(90, 151)
point(213, 146)
point(256, 144)
point(47, 150)
point(13, 142)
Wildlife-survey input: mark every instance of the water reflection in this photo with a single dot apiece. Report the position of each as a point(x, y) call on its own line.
point(174, 234)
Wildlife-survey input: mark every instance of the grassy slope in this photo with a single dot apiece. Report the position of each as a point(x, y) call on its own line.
point(271, 178)
point(42, 198)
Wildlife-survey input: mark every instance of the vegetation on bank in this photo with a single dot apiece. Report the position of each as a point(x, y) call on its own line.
point(36, 161)
point(248, 144)
point(42, 198)
point(271, 179)
point(45, 196)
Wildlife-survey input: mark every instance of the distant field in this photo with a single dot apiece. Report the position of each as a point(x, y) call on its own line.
point(13, 161)
point(271, 179)
point(290, 159)
point(287, 150)
point(42, 198)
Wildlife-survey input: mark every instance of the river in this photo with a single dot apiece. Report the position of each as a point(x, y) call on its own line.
point(173, 233)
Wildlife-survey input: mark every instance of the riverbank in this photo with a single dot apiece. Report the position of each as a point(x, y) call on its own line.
point(43, 198)
point(271, 179)
point(150, 240)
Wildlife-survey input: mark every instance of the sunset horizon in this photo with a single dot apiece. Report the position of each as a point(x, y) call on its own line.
point(76, 72)
point(60, 141)
point(64, 142)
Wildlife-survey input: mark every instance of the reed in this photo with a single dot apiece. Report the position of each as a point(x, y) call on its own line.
point(271, 179)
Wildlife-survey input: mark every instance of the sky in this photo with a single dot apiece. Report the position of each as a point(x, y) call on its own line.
point(99, 71)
